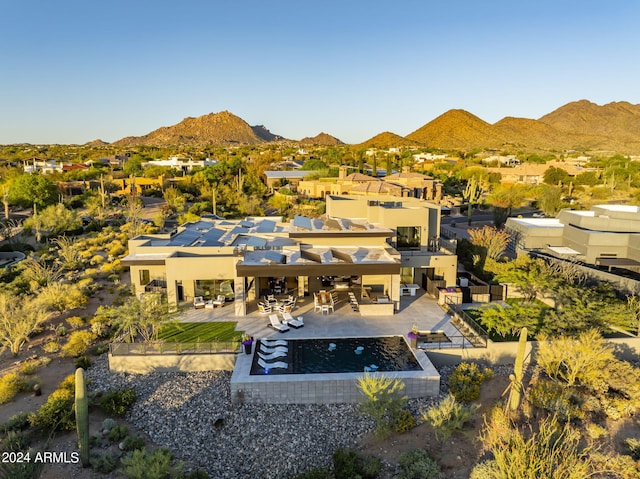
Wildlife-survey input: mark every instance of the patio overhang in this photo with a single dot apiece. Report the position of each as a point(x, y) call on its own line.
point(345, 269)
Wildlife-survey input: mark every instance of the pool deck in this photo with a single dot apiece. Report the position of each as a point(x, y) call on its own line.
point(420, 310)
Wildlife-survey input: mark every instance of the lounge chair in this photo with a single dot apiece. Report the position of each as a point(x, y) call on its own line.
point(264, 309)
point(289, 321)
point(276, 364)
point(274, 342)
point(269, 357)
point(199, 302)
point(276, 324)
point(267, 350)
point(220, 300)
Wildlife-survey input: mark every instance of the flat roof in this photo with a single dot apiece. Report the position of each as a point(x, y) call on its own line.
point(538, 222)
point(622, 208)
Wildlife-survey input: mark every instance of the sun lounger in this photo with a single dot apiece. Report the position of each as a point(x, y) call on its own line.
point(277, 364)
point(267, 350)
point(274, 342)
point(290, 321)
point(276, 324)
point(274, 355)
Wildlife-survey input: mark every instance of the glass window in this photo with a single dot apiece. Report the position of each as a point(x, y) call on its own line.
point(408, 237)
point(145, 278)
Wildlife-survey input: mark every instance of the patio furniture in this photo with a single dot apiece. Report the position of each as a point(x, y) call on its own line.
point(274, 342)
point(274, 355)
point(220, 300)
point(324, 309)
point(267, 350)
point(208, 305)
point(199, 302)
point(289, 321)
point(276, 324)
point(277, 364)
point(264, 308)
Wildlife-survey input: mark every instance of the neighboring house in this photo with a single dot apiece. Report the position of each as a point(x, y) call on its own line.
point(291, 177)
point(428, 158)
point(184, 164)
point(606, 235)
point(38, 165)
point(533, 173)
point(405, 184)
point(508, 160)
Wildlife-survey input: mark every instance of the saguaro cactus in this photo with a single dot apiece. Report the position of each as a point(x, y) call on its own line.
point(515, 395)
point(82, 417)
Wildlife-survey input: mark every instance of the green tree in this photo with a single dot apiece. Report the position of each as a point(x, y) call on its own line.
point(133, 166)
point(555, 176)
point(549, 199)
point(492, 240)
point(504, 199)
point(33, 190)
point(138, 318)
point(20, 317)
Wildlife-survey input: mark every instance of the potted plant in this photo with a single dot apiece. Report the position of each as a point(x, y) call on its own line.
point(247, 342)
point(413, 336)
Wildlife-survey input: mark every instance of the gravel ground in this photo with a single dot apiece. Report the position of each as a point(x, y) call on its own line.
point(192, 414)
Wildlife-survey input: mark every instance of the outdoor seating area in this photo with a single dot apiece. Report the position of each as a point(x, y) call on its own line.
point(273, 304)
point(323, 302)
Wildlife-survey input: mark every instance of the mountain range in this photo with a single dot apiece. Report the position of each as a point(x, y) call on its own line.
point(580, 125)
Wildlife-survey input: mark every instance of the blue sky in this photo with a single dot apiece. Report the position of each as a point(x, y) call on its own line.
point(75, 71)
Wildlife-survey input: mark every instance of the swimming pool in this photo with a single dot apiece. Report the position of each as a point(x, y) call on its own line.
point(340, 355)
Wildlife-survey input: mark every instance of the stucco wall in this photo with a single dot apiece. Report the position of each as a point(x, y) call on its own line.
point(143, 364)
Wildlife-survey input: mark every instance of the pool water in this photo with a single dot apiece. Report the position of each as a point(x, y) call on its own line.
point(314, 356)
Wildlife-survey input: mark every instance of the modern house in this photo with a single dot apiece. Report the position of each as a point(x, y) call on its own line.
point(245, 259)
point(606, 235)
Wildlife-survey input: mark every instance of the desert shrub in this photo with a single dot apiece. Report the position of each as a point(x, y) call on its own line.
point(417, 464)
point(116, 402)
point(633, 445)
point(117, 433)
point(100, 326)
point(61, 331)
point(619, 466)
point(10, 385)
point(464, 383)
point(78, 343)
point(140, 464)
point(83, 362)
point(29, 367)
point(348, 464)
point(103, 463)
point(485, 470)
point(96, 259)
point(383, 400)
point(17, 422)
point(404, 421)
point(555, 398)
point(594, 431)
point(554, 450)
point(99, 349)
point(22, 470)
point(109, 424)
point(51, 347)
point(15, 441)
point(132, 443)
point(316, 473)
point(447, 417)
point(75, 322)
point(57, 413)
